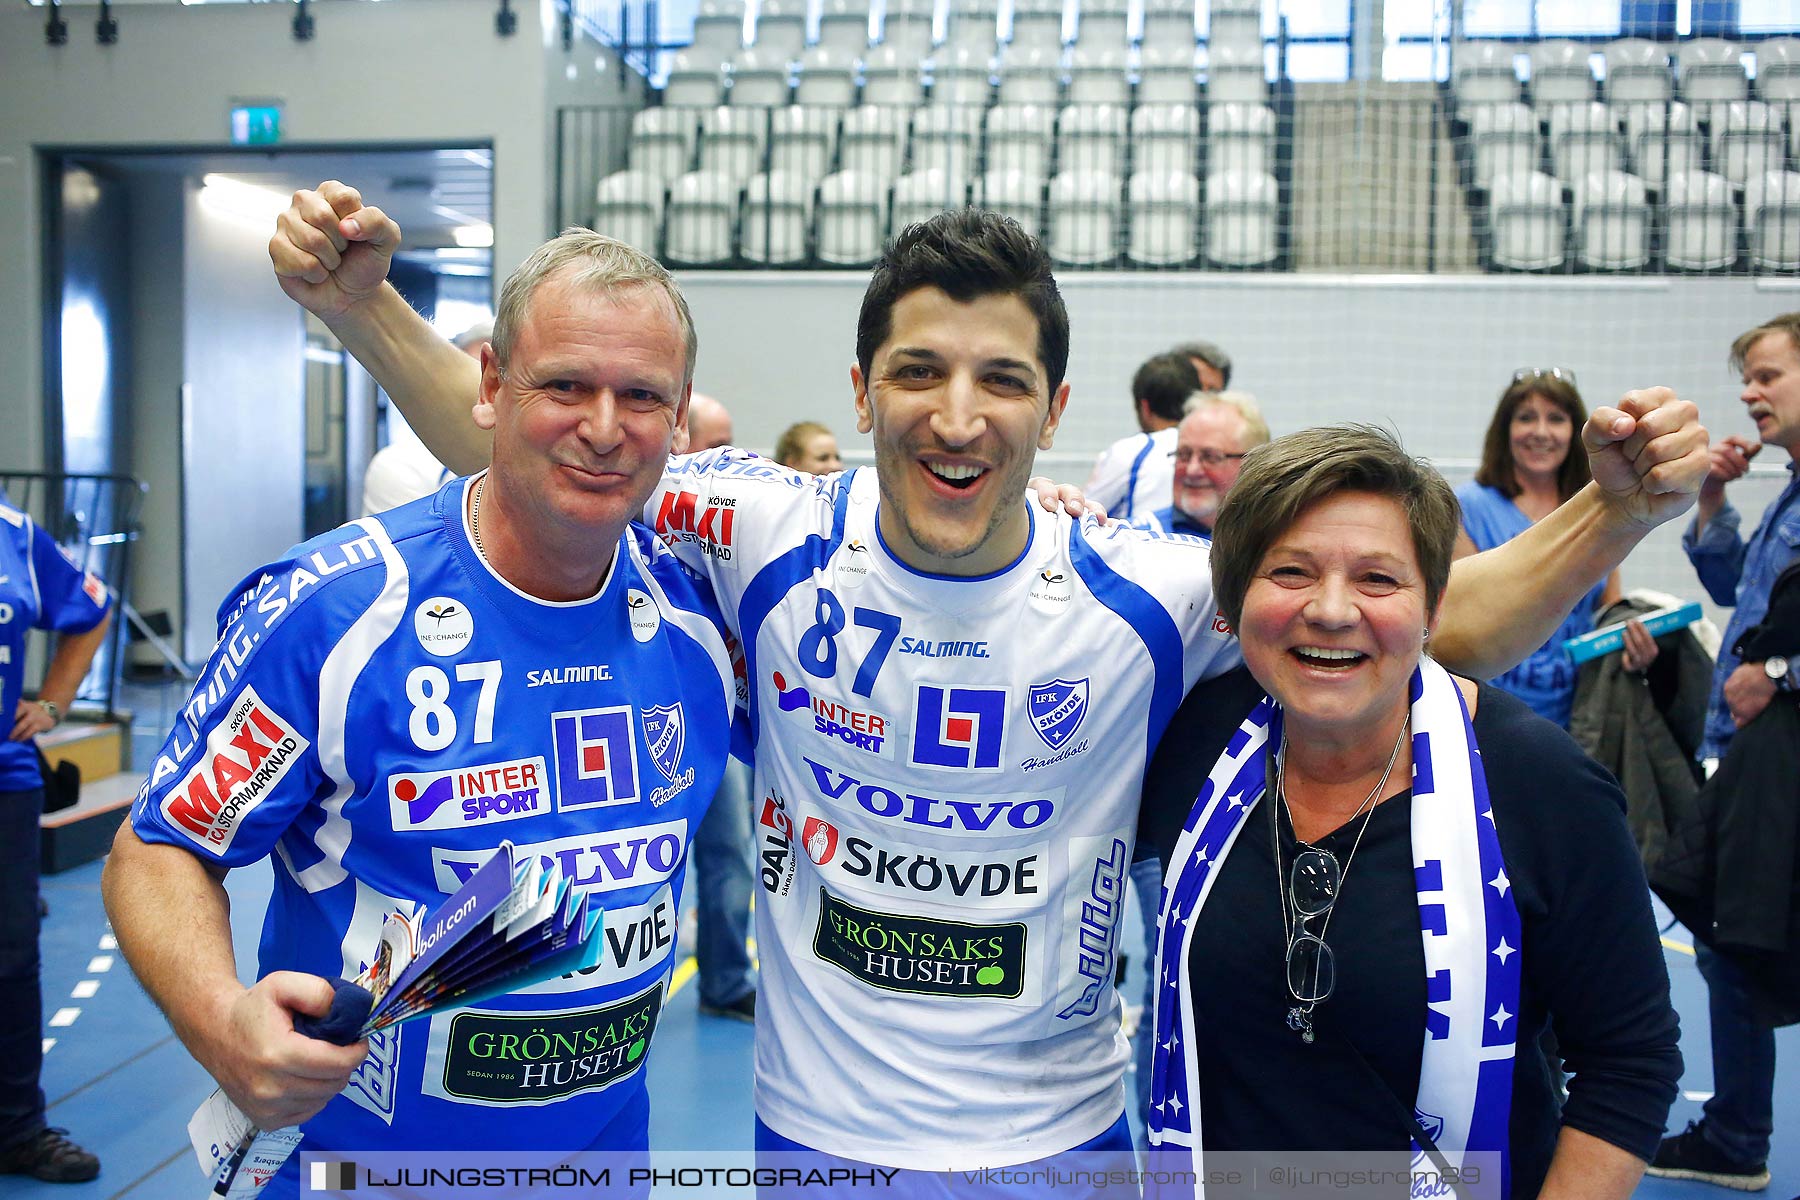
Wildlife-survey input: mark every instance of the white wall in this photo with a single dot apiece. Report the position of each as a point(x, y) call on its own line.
point(408, 71)
point(1427, 356)
point(158, 223)
point(243, 446)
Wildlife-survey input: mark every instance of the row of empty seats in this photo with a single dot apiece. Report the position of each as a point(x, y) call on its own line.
point(1609, 222)
point(880, 142)
point(780, 26)
point(1635, 71)
point(1739, 139)
point(1085, 217)
point(959, 75)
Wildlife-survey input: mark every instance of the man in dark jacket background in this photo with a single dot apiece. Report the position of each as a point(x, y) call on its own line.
point(1729, 1146)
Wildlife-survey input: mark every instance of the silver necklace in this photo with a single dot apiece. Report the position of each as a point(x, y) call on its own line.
point(475, 516)
point(1299, 1016)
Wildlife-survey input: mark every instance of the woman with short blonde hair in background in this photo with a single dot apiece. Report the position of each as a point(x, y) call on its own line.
point(809, 446)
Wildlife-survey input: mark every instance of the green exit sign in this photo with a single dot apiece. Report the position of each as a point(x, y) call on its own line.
point(255, 124)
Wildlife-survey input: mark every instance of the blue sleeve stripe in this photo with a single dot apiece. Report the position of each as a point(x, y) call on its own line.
point(780, 577)
point(1137, 464)
point(1148, 619)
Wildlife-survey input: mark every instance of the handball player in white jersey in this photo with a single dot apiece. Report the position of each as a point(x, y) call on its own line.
point(953, 693)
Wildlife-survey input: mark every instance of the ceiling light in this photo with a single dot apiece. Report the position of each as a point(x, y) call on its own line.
point(470, 236)
point(233, 198)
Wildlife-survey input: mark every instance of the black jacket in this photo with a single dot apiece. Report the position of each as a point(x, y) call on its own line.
point(1645, 728)
point(1731, 868)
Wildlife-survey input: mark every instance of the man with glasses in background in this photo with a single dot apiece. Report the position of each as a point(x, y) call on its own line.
point(1217, 429)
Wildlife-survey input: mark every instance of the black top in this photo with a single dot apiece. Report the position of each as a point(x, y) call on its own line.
point(1592, 960)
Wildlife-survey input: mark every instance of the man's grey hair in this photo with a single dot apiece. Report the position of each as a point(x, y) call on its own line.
point(1210, 353)
point(1256, 429)
point(590, 262)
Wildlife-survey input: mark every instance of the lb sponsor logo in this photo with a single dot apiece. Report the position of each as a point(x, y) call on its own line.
point(959, 728)
point(820, 837)
point(921, 955)
point(978, 880)
point(642, 611)
point(462, 796)
point(921, 648)
point(443, 626)
point(375, 1084)
point(857, 728)
point(665, 732)
point(1057, 709)
point(1102, 908)
point(596, 758)
point(573, 673)
point(602, 861)
point(999, 814)
point(852, 563)
point(245, 756)
point(1051, 591)
point(505, 1058)
point(683, 518)
point(775, 845)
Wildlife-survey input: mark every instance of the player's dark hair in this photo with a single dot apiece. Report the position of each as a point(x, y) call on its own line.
point(967, 253)
point(1165, 382)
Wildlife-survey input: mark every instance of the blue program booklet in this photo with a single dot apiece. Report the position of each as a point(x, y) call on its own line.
point(511, 925)
point(1612, 637)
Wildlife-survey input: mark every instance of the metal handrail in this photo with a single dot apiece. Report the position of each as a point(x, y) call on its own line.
point(94, 518)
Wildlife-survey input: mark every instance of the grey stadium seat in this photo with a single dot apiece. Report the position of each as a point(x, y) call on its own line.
point(851, 219)
point(1612, 221)
point(701, 214)
point(1526, 213)
point(629, 206)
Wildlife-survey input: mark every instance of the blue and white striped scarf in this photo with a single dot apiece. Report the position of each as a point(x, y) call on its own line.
point(1467, 918)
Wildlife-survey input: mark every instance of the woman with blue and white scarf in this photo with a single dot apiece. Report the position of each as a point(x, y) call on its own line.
point(1382, 881)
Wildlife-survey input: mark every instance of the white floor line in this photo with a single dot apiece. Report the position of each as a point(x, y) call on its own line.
point(63, 1017)
point(99, 964)
point(1700, 1096)
point(48, 1042)
point(109, 942)
point(85, 989)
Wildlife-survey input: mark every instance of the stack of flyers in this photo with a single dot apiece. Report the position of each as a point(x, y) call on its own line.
point(511, 925)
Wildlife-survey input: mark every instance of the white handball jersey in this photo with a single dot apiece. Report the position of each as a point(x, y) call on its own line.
point(1134, 476)
point(947, 778)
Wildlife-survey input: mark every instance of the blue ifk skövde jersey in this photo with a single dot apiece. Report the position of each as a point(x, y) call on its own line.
point(380, 712)
point(39, 589)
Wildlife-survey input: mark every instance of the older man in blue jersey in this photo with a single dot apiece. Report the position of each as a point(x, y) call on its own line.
point(953, 695)
point(510, 659)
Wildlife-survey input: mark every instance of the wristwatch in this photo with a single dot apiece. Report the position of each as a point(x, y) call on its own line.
point(49, 706)
point(1776, 668)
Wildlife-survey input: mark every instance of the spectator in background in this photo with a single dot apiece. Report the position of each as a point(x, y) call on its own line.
point(1527, 469)
point(809, 446)
point(722, 849)
point(1729, 1145)
point(1211, 363)
point(39, 589)
point(708, 424)
point(1217, 429)
point(1131, 477)
point(404, 470)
